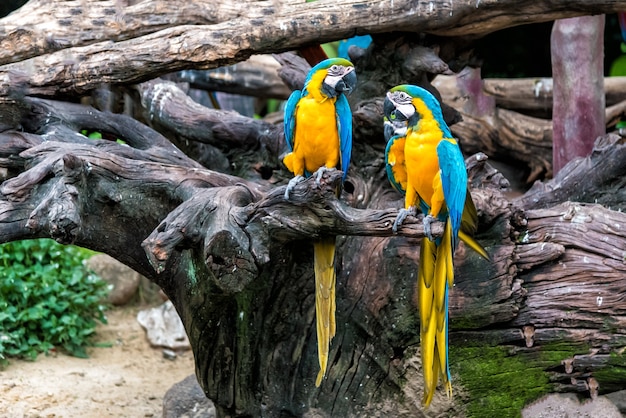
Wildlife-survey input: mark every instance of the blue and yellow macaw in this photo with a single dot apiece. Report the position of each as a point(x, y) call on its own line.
point(425, 163)
point(318, 131)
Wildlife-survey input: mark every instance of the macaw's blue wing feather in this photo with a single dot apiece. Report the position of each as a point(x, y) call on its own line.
point(361, 41)
point(454, 182)
point(344, 126)
point(394, 163)
point(290, 117)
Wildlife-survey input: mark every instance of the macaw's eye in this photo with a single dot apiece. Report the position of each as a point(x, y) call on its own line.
point(336, 70)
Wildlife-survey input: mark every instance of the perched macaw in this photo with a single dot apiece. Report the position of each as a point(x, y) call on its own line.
point(318, 131)
point(425, 163)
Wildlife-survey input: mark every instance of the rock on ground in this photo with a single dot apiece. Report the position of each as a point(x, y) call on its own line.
point(187, 400)
point(164, 327)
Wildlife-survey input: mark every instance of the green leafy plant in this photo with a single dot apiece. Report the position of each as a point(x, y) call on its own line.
point(48, 299)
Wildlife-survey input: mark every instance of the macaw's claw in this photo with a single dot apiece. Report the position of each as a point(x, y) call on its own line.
point(292, 184)
point(320, 173)
point(428, 219)
point(402, 214)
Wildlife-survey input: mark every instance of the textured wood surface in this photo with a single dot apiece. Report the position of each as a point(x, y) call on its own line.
point(58, 47)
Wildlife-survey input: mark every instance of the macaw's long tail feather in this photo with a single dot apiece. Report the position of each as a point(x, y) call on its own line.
point(435, 276)
point(473, 244)
point(428, 328)
point(469, 225)
point(324, 262)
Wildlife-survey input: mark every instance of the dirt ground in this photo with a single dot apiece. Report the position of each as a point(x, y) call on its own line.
point(127, 379)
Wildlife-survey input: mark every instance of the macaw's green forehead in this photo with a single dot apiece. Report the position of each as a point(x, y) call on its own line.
point(417, 92)
point(414, 91)
point(327, 63)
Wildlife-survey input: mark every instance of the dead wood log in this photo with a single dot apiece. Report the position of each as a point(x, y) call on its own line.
point(506, 134)
point(535, 94)
point(170, 110)
point(580, 182)
point(503, 134)
point(51, 64)
point(257, 76)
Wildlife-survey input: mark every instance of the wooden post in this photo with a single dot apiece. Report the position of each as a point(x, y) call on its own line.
point(577, 68)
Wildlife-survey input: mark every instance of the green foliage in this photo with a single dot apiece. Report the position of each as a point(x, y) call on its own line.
point(48, 299)
point(98, 135)
point(330, 49)
point(618, 67)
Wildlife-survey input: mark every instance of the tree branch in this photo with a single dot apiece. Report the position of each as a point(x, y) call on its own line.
point(140, 55)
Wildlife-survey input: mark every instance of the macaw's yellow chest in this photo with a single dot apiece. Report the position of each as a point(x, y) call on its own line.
point(316, 139)
point(422, 162)
point(395, 160)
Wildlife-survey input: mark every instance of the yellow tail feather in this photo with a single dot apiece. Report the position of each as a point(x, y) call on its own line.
point(324, 263)
point(473, 244)
point(435, 275)
point(428, 318)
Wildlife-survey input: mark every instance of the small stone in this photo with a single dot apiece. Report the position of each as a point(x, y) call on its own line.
point(169, 354)
point(164, 327)
point(187, 399)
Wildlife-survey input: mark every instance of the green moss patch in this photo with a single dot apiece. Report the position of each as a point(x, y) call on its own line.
point(498, 384)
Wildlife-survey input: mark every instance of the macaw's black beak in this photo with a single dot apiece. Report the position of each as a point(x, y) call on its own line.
point(392, 113)
point(347, 83)
point(388, 108)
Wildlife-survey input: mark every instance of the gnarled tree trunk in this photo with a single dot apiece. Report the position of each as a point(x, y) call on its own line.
point(235, 257)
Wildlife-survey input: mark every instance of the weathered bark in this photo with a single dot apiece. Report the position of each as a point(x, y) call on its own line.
point(235, 257)
point(509, 135)
point(214, 243)
point(501, 133)
point(580, 181)
point(75, 23)
point(257, 76)
point(535, 94)
point(62, 55)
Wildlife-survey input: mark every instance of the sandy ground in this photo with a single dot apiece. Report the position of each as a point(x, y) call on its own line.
point(128, 379)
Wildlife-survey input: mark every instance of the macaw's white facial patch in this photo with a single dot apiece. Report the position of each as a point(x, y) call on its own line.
point(403, 103)
point(336, 73)
point(407, 110)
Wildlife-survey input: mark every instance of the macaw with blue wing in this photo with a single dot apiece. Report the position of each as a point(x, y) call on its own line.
point(425, 163)
point(318, 132)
